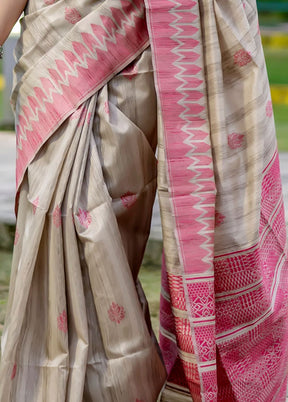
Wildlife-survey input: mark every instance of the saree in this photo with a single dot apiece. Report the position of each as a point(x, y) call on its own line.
point(87, 117)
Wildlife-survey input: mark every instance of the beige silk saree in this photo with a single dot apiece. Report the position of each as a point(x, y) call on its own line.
point(87, 121)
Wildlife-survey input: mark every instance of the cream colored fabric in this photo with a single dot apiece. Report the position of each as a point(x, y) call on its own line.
point(224, 282)
point(76, 327)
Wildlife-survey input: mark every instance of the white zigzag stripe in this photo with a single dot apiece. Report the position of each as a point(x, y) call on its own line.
point(182, 89)
point(71, 71)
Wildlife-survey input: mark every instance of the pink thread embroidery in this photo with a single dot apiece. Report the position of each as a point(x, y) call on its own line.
point(48, 2)
point(128, 199)
point(16, 238)
point(14, 370)
point(72, 15)
point(235, 140)
point(106, 107)
point(116, 313)
point(269, 109)
point(84, 218)
point(62, 322)
point(241, 58)
point(219, 219)
point(57, 216)
point(35, 205)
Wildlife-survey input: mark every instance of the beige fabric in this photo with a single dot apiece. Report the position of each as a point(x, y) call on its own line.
point(79, 266)
point(224, 294)
point(237, 102)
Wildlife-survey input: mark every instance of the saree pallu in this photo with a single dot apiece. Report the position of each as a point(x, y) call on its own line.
point(223, 328)
point(77, 326)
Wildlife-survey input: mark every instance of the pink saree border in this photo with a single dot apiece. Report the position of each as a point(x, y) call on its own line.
point(175, 34)
point(104, 48)
point(183, 105)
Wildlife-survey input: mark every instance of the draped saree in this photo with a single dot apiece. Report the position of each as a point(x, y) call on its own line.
point(87, 121)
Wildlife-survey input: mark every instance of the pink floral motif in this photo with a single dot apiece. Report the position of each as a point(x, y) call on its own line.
point(116, 313)
point(235, 140)
point(219, 219)
point(128, 199)
point(62, 322)
point(14, 371)
point(48, 2)
point(57, 217)
point(269, 109)
point(84, 218)
point(106, 107)
point(16, 238)
point(35, 205)
point(241, 58)
point(72, 15)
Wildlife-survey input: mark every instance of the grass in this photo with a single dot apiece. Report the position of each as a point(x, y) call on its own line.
point(281, 119)
point(150, 279)
point(277, 61)
point(269, 19)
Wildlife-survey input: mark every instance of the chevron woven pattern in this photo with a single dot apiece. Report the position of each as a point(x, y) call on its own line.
point(190, 169)
point(106, 44)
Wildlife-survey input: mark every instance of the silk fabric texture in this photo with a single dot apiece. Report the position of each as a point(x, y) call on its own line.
point(77, 325)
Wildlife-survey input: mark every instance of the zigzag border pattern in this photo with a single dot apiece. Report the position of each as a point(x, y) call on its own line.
point(103, 44)
point(176, 42)
point(197, 155)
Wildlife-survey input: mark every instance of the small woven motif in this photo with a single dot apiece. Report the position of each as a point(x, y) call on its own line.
point(1, 52)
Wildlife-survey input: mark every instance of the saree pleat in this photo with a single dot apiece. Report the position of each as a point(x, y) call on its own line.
point(78, 330)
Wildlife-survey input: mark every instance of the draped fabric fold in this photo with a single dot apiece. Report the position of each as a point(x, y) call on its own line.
point(77, 326)
point(224, 283)
point(88, 120)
